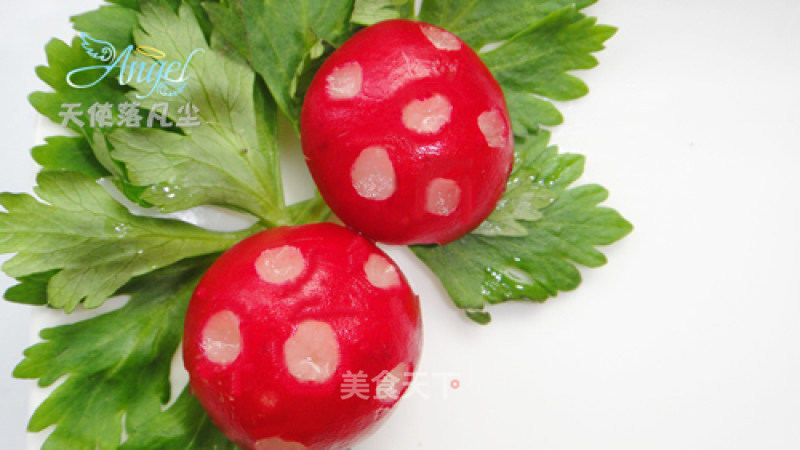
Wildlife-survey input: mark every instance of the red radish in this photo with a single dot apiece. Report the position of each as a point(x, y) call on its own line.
point(301, 337)
point(407, 134)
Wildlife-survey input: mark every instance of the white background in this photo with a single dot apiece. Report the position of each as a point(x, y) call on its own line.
point(687, 339)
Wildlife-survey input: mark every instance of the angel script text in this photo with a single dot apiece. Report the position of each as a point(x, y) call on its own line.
point(146, 66)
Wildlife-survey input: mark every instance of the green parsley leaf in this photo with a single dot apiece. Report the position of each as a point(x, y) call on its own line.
point(516, 26)
point(368, 12)
point(534, 63)
point(537, 60)
point(231, 157)
point(132, 4)
point(312, 210)
point(527, 247)
point(277, 38)
point(529, 112)
point(196, 5)
point(183, 426)
point(114, 24)
point(32, 289)
point(483, 22)
point(96, 244)
point(116, 365)
point(72, 154)
point(62, 59)
point(111, 23)
point(477, 269)
point(523, 201)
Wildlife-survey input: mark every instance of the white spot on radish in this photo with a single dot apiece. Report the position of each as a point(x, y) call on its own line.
point(442, 197)
point(269, 400)
point(275, 443)
point(391, 384)
point(396, 76)
point(380, 272)
point(373, 174)
point(281, 264)
point(440, 38)
point(345, 81)
point(222, 341)
point(494, 128)
point(312, 352)
point(427, 116)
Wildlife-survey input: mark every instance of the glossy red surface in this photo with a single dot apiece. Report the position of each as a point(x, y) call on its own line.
point(400, 65)
point(255, 397)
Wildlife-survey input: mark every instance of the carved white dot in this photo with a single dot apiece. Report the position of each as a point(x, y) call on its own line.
point(373, 175)
point(221, 339)
point(440, 38)
point(269, 399)
point(391, 385)
point(442, 196)
point(396, 76)
point(280, 265)
point(494, 128)
point(312, 352)
point(275, 443)
point(344, 82)
point(380, 272)
point(428, 115)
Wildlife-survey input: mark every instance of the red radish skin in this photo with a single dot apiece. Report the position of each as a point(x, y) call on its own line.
point(407, 134)
point(280, 321)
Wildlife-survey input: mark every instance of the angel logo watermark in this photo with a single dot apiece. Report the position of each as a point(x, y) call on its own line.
point(166, 78)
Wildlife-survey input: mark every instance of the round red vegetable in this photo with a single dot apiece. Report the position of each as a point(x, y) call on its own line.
point(301, 337)
point(407, 134)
